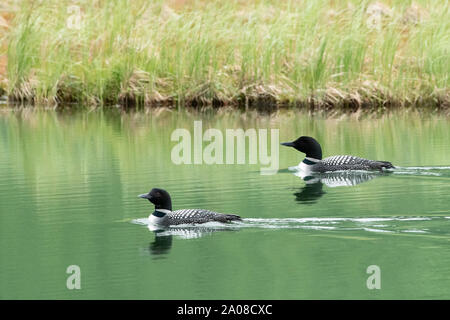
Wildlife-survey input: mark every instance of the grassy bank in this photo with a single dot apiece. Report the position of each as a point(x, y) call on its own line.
point(345, 54)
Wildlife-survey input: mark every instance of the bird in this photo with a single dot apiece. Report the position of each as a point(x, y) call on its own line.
point(313, 161)
point(164, 216)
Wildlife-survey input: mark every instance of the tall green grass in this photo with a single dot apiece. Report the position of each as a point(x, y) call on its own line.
point(318, 53)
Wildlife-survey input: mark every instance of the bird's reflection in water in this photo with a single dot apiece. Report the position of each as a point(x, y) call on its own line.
point(314, 182)
point(163, 241)
point(310, 193)
point(161, 244)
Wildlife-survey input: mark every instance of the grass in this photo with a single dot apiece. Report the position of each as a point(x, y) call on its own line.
point(320, 54)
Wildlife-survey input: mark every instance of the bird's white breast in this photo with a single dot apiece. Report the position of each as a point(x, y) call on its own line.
point(155, 220)
point(305, 168)
point(152, 219)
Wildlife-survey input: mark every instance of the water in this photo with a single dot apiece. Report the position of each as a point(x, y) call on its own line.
point(68, 196)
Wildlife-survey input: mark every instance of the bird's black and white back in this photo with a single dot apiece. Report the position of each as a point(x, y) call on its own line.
point(195, 216)
point(164, 216)
point(346, 162)
point(313, 161)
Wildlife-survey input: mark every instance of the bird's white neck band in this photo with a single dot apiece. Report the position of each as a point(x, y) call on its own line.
point(163, 211)
point(308, 159)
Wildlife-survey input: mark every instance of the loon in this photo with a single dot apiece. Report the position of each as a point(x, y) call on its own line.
point(313, 161)
point(164, 216)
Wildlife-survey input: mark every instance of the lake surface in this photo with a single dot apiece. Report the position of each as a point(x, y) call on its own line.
point(68, 196)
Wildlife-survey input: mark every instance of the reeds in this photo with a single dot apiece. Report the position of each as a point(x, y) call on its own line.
point(321, 54)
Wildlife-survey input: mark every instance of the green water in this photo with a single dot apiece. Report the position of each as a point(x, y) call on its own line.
point(68, 196)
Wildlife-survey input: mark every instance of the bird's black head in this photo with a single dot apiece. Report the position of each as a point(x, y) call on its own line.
point(306, 145)
point(159, 197)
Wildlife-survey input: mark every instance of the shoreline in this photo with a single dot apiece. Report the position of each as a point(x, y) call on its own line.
point(263, 103)
point(328, 111)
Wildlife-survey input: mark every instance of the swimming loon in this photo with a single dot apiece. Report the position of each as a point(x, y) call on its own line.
point(313, 161)
point(164, 216)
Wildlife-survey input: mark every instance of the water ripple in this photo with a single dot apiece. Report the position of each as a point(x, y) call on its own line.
point(438, 225)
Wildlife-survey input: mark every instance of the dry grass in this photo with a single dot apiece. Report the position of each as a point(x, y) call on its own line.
point(318, 54)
